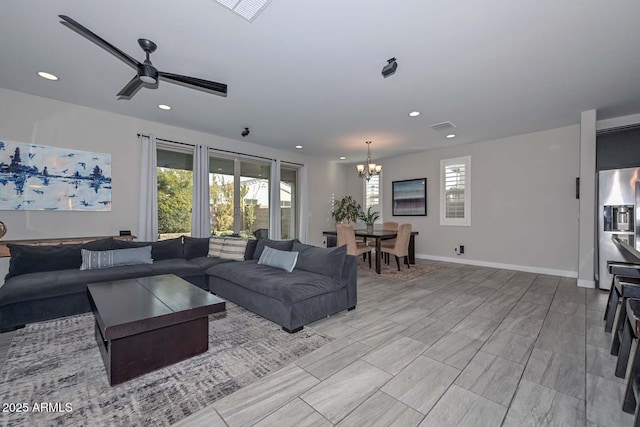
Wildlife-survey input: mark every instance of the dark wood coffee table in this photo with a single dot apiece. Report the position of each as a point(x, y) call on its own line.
point(147, 323)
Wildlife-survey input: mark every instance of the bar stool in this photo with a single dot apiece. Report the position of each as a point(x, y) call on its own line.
point(631, 333)
point(624, 288)
point(617, 269)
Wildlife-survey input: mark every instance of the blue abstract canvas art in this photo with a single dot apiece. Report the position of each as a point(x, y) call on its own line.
point(37, 177)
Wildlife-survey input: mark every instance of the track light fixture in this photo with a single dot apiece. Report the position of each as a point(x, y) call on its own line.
point(245, 132)
point(390, 68)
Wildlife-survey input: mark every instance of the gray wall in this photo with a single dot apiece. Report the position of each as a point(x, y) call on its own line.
point(524, 213)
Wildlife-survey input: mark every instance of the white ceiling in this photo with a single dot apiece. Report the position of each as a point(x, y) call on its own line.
point(308, 72)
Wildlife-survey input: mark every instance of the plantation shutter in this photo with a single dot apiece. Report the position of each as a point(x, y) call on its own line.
point(454, 186)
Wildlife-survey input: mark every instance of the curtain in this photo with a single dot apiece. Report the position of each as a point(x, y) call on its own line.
point(200, 217)
point(148, 213)
point(303, 182)
point(274, 219)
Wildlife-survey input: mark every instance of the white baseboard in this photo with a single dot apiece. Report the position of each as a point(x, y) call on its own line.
point(586, 283)
point(526, 268)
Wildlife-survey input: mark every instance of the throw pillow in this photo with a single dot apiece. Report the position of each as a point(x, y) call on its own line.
point(281, 245)
point(102, 259)
point(166, 249)
point(195, 247)
point(100, 245)
point(233, 248)
point(251, 248)
point(215, 246)
point(34, 259)
point(325, 261)
point(284, 260)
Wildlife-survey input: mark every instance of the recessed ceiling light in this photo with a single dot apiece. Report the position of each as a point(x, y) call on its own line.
point(298, 146)
point(164, 107)
point(451, 135)
point(414, 114)
point(343, 158)
point(47, 76)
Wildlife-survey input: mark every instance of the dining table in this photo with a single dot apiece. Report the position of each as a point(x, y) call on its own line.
point(378, 235)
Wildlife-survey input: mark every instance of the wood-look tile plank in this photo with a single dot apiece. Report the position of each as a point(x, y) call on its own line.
point(394, 355)
point(562, 372)
point(476, 327)
point(332, 357)
point(565, 322)
point(294, 414)
point(249, 404)
point(382, 410)
point(515, 348)
point(341, 393)
point(525, 326)
point(604, 403)
point(537, 406)
point(454, 349)
point(491, 377)
point(378, 333)
point(421, 384)
point(462, 408)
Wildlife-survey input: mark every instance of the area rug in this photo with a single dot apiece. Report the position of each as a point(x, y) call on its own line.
point(58, 363)
point(391, 271)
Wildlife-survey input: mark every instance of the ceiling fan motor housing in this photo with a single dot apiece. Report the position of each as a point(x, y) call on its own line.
point(147, 73)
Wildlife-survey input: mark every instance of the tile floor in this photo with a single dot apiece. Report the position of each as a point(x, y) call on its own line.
point(462, 346)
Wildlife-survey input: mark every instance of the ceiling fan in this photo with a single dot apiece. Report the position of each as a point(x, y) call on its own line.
point(147, 74)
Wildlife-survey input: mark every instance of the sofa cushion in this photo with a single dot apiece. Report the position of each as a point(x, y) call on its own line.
point(65, 282)
point(234, 248)
point(32, 259)
point(281, 245)
point(327, 261)
point(251, 249)
point(195, 247)
point(215, 246)
point(162, 249)
point(100, 245)
point(284, 260)
point(289, 288)
point(204, 262)
point(104, 259)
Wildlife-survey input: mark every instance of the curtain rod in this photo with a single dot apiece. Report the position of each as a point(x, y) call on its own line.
point(224, 151)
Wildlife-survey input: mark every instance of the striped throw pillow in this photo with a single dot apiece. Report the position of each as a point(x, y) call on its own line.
point(215, 246)
point(233, 248)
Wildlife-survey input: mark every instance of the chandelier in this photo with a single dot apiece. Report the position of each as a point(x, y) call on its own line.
point(370, 169)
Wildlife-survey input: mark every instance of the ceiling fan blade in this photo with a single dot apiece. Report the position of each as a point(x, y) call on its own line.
point(131, 88)
point(88, 34)
point(194, 83)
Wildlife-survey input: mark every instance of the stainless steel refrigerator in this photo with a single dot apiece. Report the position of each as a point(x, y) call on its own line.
point(618, 214)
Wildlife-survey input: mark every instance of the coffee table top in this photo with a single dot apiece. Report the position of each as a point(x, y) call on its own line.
point(127, 307)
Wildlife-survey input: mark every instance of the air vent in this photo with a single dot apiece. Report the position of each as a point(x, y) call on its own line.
point(439, 127)
point(248, 9)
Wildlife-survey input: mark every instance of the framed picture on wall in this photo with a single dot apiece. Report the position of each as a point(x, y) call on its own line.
point(409, 197)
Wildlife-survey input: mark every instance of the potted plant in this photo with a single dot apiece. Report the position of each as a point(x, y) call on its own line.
point(346, 210)
point(369, 218)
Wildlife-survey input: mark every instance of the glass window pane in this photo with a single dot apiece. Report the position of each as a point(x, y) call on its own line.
point(255, 196)
point(372, 194)
point(221, 205)
point(175, 187)
point(288, 203)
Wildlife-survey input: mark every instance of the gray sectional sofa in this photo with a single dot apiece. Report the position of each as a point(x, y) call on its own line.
point(46, 283)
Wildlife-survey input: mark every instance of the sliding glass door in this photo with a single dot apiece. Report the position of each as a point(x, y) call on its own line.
point(175, 189)
point(239, 196)
point(288, 202)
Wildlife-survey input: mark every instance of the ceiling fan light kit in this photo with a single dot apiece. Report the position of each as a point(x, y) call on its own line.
point(146, 74)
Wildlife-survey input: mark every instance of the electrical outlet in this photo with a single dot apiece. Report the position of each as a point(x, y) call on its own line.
point(461, 249)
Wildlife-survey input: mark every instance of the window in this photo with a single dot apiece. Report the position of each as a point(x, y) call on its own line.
point(244, 211)
point(455, 191)
point(373, 195)
point(175, 187)
point(288, 202)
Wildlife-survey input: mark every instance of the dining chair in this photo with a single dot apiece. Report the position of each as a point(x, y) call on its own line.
point(347, 236)
point(401, 248)
point(389, 226)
